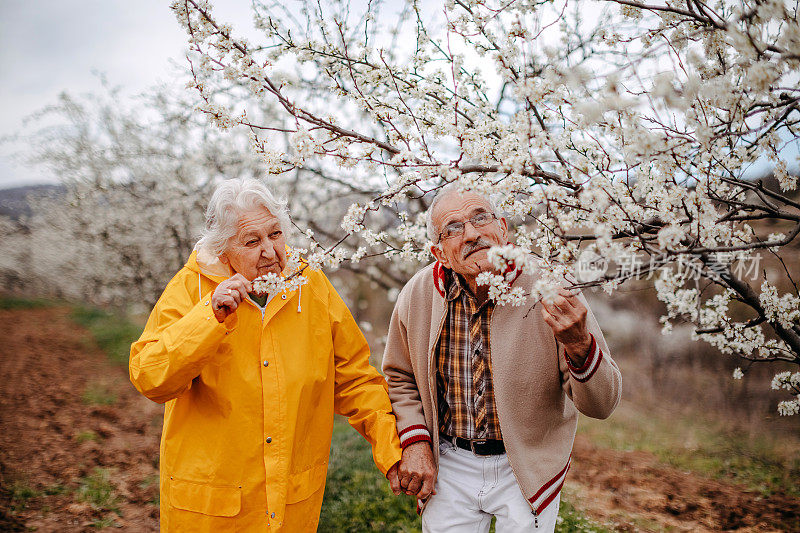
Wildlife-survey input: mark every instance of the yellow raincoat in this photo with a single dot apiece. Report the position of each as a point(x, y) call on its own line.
point(250, 403)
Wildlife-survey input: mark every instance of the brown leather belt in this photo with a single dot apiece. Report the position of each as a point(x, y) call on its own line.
point(477, 446)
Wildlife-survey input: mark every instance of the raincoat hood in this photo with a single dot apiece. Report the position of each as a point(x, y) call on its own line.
point(209, 265)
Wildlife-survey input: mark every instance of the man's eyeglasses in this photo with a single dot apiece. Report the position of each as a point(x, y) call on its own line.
point(454, 229)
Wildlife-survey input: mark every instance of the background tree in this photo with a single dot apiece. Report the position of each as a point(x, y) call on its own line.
point(137, 175)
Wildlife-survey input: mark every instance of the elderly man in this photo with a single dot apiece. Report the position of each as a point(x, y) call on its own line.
point(488, 395)
point(251, 383)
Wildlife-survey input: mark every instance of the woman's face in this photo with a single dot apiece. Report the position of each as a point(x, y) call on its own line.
point(259, 246)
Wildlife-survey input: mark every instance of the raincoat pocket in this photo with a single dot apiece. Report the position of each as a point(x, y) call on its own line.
point(212, 500)
point(305, 483)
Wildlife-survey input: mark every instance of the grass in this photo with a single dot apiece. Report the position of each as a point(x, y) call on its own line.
point(571, 520)
point(697, 443)
point(152, 481)
point(21, 493)
point(11, 303)
point(98, 394)
point(113, 333)
point(357, 496)
point(84, 436)
point(97, 490)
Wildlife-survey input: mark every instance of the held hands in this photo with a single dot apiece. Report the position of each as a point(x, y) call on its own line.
point(415, 474)
point(566, 316)
point(228, 295)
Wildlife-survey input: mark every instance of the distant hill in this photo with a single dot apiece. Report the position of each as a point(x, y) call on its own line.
point(15, 202)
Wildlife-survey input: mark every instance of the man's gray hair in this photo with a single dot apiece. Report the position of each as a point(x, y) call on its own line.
point(447, 190)
point(230, 200)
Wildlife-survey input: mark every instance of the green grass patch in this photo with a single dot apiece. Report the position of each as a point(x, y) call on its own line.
point(572, 520)
point(11, 303)
point(152, 481)
point(21, 494)
point(88, 435)
point(97, 490)
point(98, 394)
point(693, 442)
point(357, 496)
point(112, 332)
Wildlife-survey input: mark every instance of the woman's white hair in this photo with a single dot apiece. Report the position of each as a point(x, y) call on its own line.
point(230, 200)
point(447, 190)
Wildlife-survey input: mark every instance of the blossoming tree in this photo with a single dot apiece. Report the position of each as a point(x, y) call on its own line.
point(618, 132)
point(137, 174)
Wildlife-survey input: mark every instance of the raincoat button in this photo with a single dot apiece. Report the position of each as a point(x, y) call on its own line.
point(272, 515)
point(206, 303)
point(283, 296)
point(266, 363)
point(269, 439)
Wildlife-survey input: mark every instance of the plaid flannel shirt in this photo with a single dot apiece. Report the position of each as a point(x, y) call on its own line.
point(464, 373)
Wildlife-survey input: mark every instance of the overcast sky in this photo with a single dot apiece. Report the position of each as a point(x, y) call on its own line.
point(49, 46)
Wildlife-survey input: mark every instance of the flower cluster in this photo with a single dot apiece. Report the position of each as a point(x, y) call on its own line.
point(789, 381)
point(273, 283)
point(291, 279)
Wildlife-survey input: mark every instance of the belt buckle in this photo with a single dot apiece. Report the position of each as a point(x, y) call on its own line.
point(472, 444)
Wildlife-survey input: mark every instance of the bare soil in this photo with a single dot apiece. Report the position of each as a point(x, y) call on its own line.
point(47, 364)
point(636, 492)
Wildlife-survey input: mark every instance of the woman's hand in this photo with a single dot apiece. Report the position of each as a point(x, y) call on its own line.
point(228, 295)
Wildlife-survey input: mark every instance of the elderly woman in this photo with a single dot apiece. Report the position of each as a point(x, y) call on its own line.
point(251, 384)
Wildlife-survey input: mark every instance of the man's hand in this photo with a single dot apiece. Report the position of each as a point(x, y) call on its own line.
point(417, 471)
point(228, 295)
point(394, 478)
point(566, 316)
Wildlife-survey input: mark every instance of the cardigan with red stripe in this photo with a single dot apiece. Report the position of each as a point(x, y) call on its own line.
point(538, 391)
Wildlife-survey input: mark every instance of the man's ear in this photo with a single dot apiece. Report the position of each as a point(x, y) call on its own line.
point(224, 258)
point(437, 253)
point(504, 226)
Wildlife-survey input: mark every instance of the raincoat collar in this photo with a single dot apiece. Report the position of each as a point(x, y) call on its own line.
point(209, 265)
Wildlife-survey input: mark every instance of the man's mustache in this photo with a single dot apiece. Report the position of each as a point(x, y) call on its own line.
point(474, 246)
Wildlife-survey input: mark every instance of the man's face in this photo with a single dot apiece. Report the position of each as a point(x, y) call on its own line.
point(259, 246)
point(466, 254)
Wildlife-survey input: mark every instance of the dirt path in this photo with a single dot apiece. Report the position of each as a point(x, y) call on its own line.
point(635, 491)
point(56, 432)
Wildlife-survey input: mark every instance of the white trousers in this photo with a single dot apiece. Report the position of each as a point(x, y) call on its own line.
point(470, 489)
